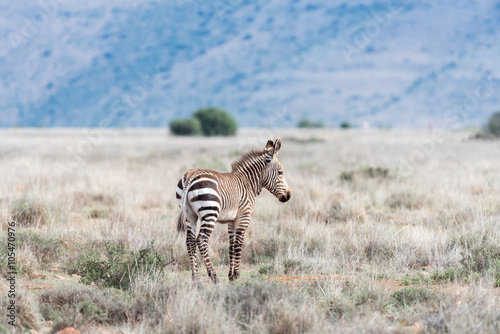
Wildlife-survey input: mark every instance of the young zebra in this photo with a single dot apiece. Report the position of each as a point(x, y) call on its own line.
point(227, 198)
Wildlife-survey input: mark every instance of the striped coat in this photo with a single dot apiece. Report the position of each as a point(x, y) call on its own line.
point(227, 198)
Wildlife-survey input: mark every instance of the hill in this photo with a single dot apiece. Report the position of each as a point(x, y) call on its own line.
point(142, 63)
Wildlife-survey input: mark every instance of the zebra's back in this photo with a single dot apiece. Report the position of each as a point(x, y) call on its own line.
point(210, 195)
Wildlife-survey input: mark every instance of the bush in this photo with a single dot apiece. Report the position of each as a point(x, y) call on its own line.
point(307, 123)
point(345, 125)
point(448, 275)
point(411, 296)
point(186, 127)
point(120, 267)
point(493, 125)
point(216, 122)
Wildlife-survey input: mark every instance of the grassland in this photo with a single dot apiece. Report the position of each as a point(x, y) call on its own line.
point(361, 246)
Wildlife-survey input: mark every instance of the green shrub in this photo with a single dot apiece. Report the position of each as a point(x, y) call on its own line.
point(305, 123)
point(216, 122)
point(448, 275)
point(410, 297)
point(186, 127)
point(345, 125)
point(119, 267)
point(493, 125)
point(414, 279)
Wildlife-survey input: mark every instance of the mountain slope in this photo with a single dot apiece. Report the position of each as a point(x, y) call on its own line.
point(267, 62)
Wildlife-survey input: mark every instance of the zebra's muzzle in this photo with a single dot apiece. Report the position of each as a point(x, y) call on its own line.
point(286, 198)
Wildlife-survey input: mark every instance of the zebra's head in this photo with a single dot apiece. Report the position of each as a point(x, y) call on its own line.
point(273, 177)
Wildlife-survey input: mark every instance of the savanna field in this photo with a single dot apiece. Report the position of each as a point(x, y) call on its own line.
point(365, 245)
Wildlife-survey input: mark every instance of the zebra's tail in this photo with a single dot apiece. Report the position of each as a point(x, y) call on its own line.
point(181, 219)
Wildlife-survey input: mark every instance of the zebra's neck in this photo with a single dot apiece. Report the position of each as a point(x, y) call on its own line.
point(251, 169)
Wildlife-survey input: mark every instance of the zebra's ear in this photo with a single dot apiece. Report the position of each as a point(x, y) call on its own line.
point(269, 144)
point(269, 151)
point(277, 146)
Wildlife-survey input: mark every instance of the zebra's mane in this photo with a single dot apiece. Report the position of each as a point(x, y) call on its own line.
point(245, 159)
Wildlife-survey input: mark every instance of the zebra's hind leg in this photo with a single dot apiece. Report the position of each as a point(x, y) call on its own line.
point(191, 245)
point(206, 229)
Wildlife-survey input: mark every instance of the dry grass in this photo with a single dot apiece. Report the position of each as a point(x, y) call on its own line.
point(357, 249)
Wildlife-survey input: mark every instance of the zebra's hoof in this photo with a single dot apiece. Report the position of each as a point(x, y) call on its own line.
point(214, 278)
point(233, 278)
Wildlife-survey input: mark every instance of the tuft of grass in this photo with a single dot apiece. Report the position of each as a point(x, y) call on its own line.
point(347, 176)
point(69, 305)
point(47, 250)
point(263, 249)
point(418, 278)
point(496, 274)
point(403, 200)
point(28, 213)
point(339, 310)
point(264, 305)
point(310, 140)
point(411, 296)
point(27, 317)
point(291, 266)
point(377, 250)
point(479, 253)
point(337, 212)
point(267, 269)
point(99, 213)
point(366, 172)
point(43, 251)
point(446, 276)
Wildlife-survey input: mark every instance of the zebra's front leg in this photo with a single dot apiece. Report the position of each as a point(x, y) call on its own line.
point(239, 234)
point(230, 229)
point(206, 229)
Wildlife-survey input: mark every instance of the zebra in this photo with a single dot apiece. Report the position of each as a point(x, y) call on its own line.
point(227, 198)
